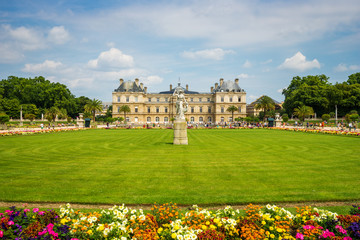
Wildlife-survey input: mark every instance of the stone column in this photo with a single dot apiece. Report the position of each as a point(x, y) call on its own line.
point(180, 132)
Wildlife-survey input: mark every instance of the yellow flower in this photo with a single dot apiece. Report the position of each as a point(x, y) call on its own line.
point(267, 233)
point(277, 217)
point(160, 230)
point(219, 224)
point(63, 221)
point(89, 232)
point(279, 230)
point(173, 235)
point(204, 227)
point(176, 227)
point(263, 222)
point(212, 227)
point(272, 236)
point(271, 228)
point(216, 220)
point(207, 223)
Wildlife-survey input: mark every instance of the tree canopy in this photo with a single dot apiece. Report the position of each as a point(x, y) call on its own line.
point(322, 96)
point(35, 95)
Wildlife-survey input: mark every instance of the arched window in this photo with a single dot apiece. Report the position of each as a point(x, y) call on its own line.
point(192, 119)
point(166, 119)
point(148, 119)
point(157, 119)
point(201, 119)
point(209, 119)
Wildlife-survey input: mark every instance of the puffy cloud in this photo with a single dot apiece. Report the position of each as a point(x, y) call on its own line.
point(247, 64)
point(213, 54)
point(58, 35)
point(47, 66)
point(9, 55)
point(299, 62)
point(25, 38)
point(113, 58)
point(150, 80)
point(243, 76)
point(343, 68)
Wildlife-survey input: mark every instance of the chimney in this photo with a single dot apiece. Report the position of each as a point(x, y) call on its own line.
point(236, 80)
point(121, 81)
point(141, 85)
point(216, 85)
point(211, 89)
point(145, 89)
point(137, 81)
point(187, 87)
point(221, 81)
point(170, 87)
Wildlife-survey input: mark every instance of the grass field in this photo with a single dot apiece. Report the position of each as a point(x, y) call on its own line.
point(142, 166)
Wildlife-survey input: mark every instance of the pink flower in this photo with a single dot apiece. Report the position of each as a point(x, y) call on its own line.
point(299, 236)
point(42, 233)
point(35, 210)
point(1, 233)
point(26, 210)
point(10, 223)
point(340, 229)
point(308, 227)
point(327, 234)
point(8, 212)
point(347, 238)
point(41, 213)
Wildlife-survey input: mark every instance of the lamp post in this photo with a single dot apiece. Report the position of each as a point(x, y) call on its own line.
point(21, 118)
point(336, 120)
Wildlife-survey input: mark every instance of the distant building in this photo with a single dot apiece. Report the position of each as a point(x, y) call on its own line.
point(160, 107)
point(252, 111)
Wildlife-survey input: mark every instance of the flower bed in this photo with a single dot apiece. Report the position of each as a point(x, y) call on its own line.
point(323, 131)
point(41, 131)
point(166, 221)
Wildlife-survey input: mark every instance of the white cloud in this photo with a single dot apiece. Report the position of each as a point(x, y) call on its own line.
point(299, 62)
point(213, 54)
point(243, 76)
point(247, 64)
point(343, 68)
point(113, 58)
point(8, 54)
point(58, 35)
point(25, 38)
point(251, 98)
point(150, 80)
point(47, 66)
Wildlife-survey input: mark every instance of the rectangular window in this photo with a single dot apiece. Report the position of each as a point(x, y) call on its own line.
point(118, 109)
point(200, 99)
point(157, 109)
point(222, 99)
point(222, 109)
point(191, 99)
point(127, 99)
point(239, 99)
point(201, 109)
point(208, 99)
point(166, 99)
point(209, 109)
point(136, 99)
point(239, 109)
point(192, 109)
point(157, 99)
point(136, 109)
point(230, 100)
point(166, 109)
point(149, 99)
point(148, 109)
point(118, 99)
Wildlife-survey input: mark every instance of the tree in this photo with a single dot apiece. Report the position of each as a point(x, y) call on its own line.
point(266, 104)
point(232, 109)
point(30, 116)
point(303, 111)
point(325, 117)
point(51, 113)
point(92, 106)
point(354, 117)
point(354, 78)
point(125, 109)
point(285, 117)
point(62, 114)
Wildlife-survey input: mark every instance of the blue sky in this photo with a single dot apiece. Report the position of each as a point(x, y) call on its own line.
point(88, 45)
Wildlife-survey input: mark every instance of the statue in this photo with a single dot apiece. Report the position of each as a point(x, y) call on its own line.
point(181, 103)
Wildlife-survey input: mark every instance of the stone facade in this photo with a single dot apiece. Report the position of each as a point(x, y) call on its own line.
point(160, 107)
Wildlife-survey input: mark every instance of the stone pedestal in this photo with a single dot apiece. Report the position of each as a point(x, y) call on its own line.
point(277, 120)
point(180, 132)
point(80, 121)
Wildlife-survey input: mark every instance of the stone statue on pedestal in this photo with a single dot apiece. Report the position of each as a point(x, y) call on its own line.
point(180, 126)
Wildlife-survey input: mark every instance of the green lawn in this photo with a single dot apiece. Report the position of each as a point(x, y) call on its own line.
point(142, 166)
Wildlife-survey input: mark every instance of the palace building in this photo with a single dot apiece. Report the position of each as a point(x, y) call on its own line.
point(159, 107)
